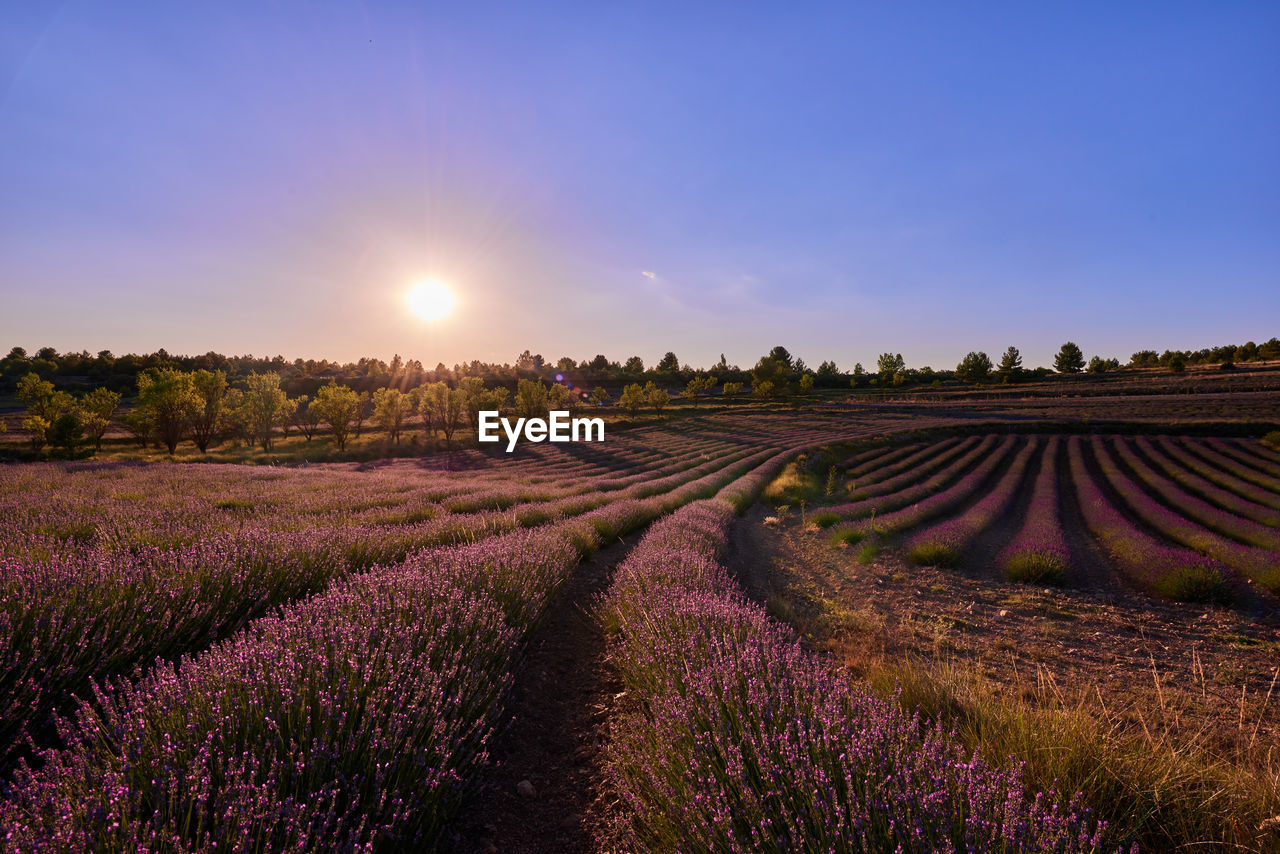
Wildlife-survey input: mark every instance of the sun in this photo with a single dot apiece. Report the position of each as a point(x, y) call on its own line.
point(430, 300)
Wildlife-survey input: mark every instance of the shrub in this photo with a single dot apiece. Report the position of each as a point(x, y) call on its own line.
point(933, 553)
point(846, 537)
point(1036, 567)
point(1272, 440)
point(1192, 584)
point(825, 518)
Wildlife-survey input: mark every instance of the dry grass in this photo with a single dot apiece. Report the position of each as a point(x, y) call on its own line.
point(1156, 749)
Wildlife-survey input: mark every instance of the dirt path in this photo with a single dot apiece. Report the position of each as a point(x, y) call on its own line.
point(559, 708)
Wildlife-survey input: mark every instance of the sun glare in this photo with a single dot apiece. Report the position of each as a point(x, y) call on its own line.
point(430, 300)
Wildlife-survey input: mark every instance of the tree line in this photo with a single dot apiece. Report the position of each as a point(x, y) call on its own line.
point(209, 405)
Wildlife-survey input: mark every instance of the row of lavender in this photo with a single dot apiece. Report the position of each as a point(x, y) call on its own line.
point(733, 739)
point(352, 720)
point(1186, 519)
point(72, 613)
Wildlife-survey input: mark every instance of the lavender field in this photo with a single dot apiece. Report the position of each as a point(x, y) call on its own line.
point(1180, 517)
point(202, 658)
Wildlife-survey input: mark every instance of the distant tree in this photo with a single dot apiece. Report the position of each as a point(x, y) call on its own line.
point(658, 398)
point(97, 409)
point(1099, 365)
point(304, 418)
point(806, 382)
point(479, 399)
point(531, 399)
point(1069, 359)
point(732, 388)
point(390, 409)
point(697, 386)
point(1177, 363)
point(264, 405)
point(563, 398)
point(668, 363)
point(168, 397)
point(828, 374)
point(1246, 352)
point(721, 366)
point(1010, 364)
point(211, 389)
point(1269, 350)
point(599, 363)
point(859, 376)
point(530, 361)
point(42, 400)
point(633, 397)
point(782, 356)
point(634, 365)
point(444, 409)
point(598, 397)
point(890, 364)
point(37, 429)
point(364, 409)
point(66, 435)
point(773, 368)
point(974, 367)
point(762, 390)
point(1144, 359)
point(336, 406)
point(566, 363)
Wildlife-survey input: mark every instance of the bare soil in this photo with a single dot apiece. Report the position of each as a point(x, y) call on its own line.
point(559, 709)
point(1214, 667)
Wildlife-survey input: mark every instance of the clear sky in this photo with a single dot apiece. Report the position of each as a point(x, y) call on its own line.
point(840, 179)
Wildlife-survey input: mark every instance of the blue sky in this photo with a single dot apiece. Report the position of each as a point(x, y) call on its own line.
point(841, 179)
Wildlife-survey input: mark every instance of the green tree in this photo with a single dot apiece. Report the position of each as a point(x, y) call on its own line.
point(633, 397)
point(211, 388)
point(364, 409)
point(563, 397)
point(973, 368)
point(782, 356)
point(658, 398)
point(303, 418)
point(168, 397)
point(634, 365)
point(1145, 359)
point(96, 411)
point(42, 400)
point(1099, 365)
point(336, 406)
point(478, 398)
point(66, 435)
point(37, 428)
point(1010, 364)
point(668, 363)
point(264, 405)
point(889, 364)
point(531, 399)
point(599, 396)
point(1069, 359)
point(762, 390)
point(732, 388)
point(391, 407)
point(1177, 363)
point(444, 409)
point(806, 382)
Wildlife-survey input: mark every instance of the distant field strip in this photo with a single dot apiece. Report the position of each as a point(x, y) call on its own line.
point(1181, 517)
